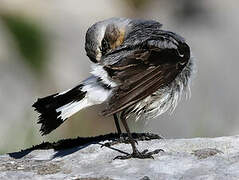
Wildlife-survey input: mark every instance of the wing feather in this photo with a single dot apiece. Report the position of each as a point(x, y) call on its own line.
point(142, 73)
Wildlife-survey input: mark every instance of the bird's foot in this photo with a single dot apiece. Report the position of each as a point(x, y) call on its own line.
point(140, 155)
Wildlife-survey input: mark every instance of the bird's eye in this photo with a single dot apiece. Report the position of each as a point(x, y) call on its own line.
point(104, 46)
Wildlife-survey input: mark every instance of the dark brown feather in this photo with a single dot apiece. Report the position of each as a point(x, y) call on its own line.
point(141, 74)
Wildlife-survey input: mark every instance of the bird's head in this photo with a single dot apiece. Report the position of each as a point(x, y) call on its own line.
point(105, 36)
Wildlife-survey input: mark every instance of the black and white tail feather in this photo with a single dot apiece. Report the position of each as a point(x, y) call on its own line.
point(57, 108)
point(51, 108)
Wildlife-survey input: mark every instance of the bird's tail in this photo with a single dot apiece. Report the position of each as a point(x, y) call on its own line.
point(56, 108)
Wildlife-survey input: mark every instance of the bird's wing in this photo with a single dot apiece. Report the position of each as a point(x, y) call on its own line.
point(144, 71)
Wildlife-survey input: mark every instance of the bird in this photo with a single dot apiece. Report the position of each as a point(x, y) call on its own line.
point(138, 70)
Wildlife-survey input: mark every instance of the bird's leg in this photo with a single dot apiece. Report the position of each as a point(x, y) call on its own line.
point(131, 140)
point(121, 138)
point(135, 153)
point(117, 125)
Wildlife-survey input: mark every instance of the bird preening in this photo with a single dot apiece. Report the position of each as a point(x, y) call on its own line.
point(139, 70)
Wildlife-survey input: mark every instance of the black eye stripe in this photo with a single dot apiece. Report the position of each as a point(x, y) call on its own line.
point(105, 46)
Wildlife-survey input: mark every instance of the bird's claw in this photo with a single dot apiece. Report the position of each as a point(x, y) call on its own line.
point(140, 155)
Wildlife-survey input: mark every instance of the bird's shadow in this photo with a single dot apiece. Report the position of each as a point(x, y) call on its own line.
point(66, 147)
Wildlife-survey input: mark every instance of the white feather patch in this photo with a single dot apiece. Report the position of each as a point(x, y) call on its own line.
point(95, 94)
point(98, 71)
point(72, 108)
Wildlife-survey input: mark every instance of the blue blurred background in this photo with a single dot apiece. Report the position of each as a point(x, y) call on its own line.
point(42, 52)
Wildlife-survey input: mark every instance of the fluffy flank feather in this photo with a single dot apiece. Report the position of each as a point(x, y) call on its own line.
point(166, 99)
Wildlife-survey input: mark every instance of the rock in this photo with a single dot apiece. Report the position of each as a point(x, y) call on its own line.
point(84, 158)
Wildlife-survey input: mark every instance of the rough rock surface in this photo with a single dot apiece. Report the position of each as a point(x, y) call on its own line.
point(198, 158)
